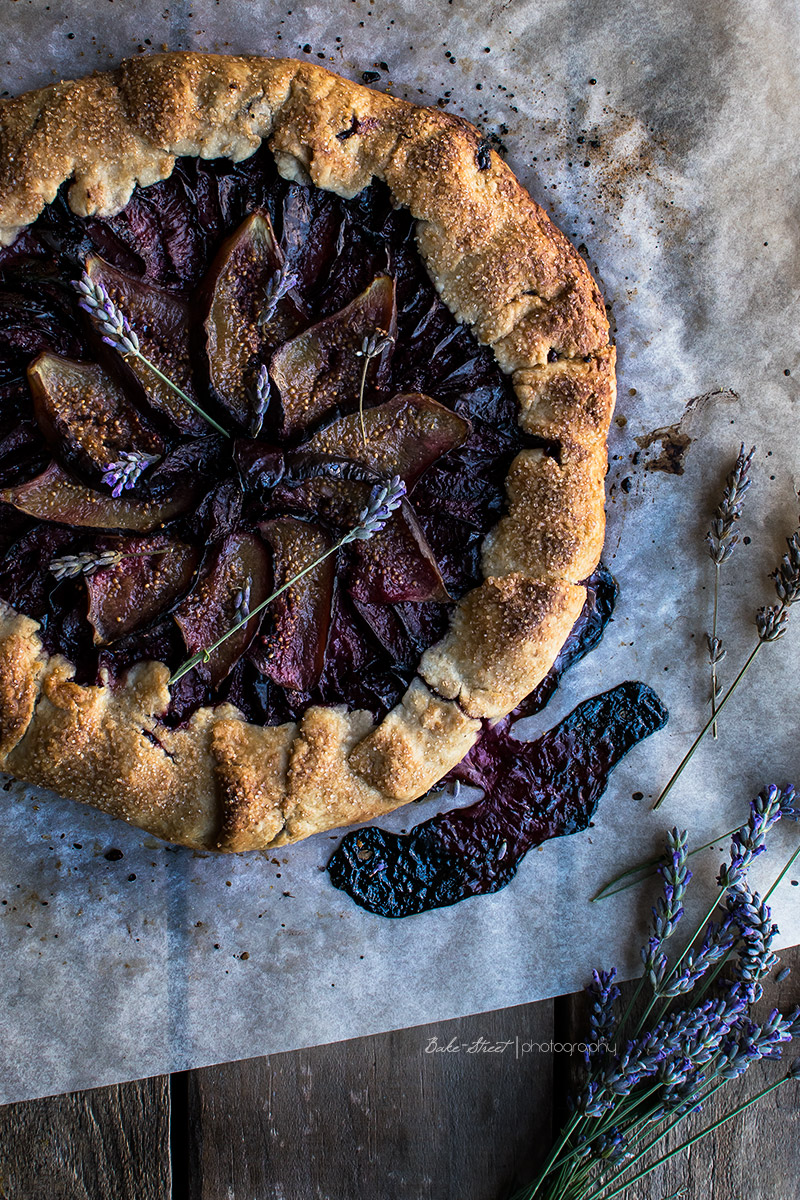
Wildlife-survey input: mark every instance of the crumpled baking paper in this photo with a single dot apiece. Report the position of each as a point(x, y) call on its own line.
point(662, 139)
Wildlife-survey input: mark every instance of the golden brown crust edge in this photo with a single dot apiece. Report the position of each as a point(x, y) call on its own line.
point(501, 267)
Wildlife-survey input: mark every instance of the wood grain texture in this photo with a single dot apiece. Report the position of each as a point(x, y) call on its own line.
point(105, 1144)
point(377, 1117)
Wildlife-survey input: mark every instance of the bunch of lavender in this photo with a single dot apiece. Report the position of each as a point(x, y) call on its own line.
point(696, 1032)
point(383, 502)
point(722, 540)
point(771, 624)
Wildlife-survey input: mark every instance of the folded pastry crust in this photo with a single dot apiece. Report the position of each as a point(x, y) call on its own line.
point(502, 268)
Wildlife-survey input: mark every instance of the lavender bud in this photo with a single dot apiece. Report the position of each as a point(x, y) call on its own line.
point(721, 538)
point(771, 623)
point(125, 473)
point(276, 290)
point(383, 502)
point(107, 316)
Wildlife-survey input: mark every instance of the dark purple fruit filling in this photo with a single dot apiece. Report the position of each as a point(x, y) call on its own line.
point(223, 270)
point(533, 791)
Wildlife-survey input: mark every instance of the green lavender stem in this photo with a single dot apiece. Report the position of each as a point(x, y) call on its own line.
point(687, 757)
point(204, 655)
point(178, 391)
point(603, 1194)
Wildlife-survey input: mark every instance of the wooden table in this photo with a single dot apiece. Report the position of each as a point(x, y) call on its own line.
point(377, 1118)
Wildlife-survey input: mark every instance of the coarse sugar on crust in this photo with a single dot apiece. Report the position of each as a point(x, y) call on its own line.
point(502, 268)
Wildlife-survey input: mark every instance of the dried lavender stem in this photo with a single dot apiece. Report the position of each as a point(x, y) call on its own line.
point(179, 391)
point(648, 867)
point(367, 361)
point(685, 760)
point(714, 657)
point(603, 1194)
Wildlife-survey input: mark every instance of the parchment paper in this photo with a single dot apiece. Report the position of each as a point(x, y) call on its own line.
point(662, 138)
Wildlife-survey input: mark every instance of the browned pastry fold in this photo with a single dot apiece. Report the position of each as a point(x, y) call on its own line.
point(501, 267)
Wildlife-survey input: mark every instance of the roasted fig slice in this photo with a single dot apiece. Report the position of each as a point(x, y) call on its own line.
point(404, 436)
point(250, 310)
point(238, 581)
point(85, 415)
point(152, 577)
point(56, 496)
point(337, 500)
point(321, 369)
point(397, 564)
point(161, 322)
point(292, 654)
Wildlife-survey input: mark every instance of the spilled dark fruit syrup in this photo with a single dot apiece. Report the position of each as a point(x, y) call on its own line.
point(532, 791)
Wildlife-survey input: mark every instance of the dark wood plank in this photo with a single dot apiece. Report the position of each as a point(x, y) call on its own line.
point(105, 1144)
point(377, 1116)
point(755, 1156)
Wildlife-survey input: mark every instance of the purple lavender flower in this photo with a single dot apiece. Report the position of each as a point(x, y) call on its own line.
point(749, 841)
point(755, 957)
point(790, 807)
point(721, 538)
point(383, 502)
point(717, 942)
point(276, 290)
point(261, 399)
point(771, 622)
point(110, 320)
point(669, 907)
point(122, 475)
point(603, 993)
point(787, 575)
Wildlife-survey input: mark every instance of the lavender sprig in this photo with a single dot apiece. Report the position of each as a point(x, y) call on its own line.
point(603, 993)
point(771, 624)
point(118, 333)
point(277, 289)
point(383, 502)
point(372, 346)
point(722, 541)
point(122, 475)
point(261, 399)
point(70, 566)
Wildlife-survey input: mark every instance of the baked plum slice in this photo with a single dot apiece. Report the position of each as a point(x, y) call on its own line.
point(250, 310)
point(56, 496)
point(292, 652)
point(85, 416)
point(405, 435)
point(394, 565)
point(397, 564)
point(152, 577)
point(161, 322)
point(238, 580)
point(321, 369)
